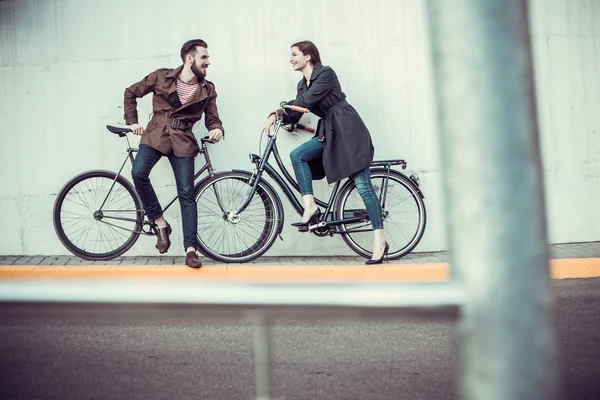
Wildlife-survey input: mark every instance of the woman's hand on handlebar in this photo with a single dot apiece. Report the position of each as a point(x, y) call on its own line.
point(270, 122)
point(288, 105)
point(298, 109)
point(273, 116)
point(137, 129)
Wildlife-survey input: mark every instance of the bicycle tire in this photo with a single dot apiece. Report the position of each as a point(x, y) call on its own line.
point(258, 223)
point(82, 194)
point(403, 193)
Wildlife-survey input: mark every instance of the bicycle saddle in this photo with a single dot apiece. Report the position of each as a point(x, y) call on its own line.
point(121, 131)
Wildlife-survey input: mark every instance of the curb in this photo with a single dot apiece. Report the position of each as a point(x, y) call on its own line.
point(431, 272)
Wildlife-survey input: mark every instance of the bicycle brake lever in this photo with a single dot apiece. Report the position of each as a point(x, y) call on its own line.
point(289, 127)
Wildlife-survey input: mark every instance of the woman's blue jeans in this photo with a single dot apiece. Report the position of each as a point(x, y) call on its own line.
point(312, 149)
point(183, 169)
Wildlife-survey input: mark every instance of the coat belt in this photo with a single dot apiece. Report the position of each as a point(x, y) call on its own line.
point(327, 119)
point(174, 123)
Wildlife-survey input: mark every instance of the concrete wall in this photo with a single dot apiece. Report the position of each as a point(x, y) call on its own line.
point(566, 38)
point(65, 63)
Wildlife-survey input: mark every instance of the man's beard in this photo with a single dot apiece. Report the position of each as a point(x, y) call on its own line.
point(196, 70)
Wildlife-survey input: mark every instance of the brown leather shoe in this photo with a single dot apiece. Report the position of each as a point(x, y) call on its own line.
point(163, 242)
point(192, 260)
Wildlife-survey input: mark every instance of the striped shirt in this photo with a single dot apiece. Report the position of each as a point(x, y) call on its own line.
point(186, 91)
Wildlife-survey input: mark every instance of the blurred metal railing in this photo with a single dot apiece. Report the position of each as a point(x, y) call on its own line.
point(259, 303)
point(482, 66)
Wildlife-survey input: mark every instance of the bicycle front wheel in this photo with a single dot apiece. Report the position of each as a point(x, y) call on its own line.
point(404, 216)
point(230, 238)
point(98, 215)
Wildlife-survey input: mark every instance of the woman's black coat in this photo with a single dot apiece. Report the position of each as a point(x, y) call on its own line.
point(348, 145)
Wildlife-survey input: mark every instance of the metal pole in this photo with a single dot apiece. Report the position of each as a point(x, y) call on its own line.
point(488, 131)
point(262, 363)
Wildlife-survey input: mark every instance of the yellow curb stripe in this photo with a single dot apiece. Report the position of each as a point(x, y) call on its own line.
point(559, 269)
point(575, 268)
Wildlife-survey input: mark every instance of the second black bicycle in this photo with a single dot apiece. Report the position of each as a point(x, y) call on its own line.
point(242, 214)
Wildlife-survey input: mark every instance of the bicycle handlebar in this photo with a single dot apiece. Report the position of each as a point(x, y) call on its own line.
point(295, 108)
point(205, 139)
point(285, 105)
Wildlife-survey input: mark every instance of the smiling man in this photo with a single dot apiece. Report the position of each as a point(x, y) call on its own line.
point(181, 96)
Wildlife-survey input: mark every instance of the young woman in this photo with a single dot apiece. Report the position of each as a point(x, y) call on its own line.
point(342, 146)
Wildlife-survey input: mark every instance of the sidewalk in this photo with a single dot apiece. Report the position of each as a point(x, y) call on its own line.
point(573, 260)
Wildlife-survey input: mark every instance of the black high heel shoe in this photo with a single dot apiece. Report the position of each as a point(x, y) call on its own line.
point(311, 221)
point(384, 255)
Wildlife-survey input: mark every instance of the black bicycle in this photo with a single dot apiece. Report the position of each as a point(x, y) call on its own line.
point(98, 215)
point(241, 215)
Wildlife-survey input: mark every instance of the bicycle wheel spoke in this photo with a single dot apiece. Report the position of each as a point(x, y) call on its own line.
point(249, 228)
point(78, 234)
point(71, 222)
point(218, 238)
point(87, 232)
point(100, 242)
point(92, 187)
point(209, 225)
point(211, 201)
point(111, 238)
point(82, 194)
point(80, 203)
point(113, 230)
point(76, 216)
point(243, 239)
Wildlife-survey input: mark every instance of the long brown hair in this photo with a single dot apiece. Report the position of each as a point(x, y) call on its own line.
point(308, 47)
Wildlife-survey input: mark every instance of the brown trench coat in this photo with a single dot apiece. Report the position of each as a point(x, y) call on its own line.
point(170, 128)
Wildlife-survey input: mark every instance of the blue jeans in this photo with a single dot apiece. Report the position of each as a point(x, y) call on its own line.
point(183, 169)
point(312, 149)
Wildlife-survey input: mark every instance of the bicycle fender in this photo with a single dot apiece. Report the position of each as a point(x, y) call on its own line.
point(408, 180)
point(414, 182)
point(278, 204)
point(201, 181)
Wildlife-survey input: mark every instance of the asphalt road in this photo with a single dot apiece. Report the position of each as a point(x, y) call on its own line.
point(61, 356)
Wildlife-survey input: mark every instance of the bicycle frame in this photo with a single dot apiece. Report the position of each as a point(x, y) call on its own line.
point(130, 156)
point(262, 165)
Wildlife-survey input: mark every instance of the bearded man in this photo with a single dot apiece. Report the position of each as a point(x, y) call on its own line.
point(180, 97)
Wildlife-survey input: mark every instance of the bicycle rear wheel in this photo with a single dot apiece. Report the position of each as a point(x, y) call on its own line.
point(404, 216)
point(231, 238)
point(93, 233)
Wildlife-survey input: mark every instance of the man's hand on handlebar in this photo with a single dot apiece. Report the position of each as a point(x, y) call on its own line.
point(215, 135)
point(137, 129)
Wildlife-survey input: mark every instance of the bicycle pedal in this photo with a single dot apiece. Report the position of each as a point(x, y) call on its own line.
point(303, 228)
point(315, 226)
